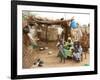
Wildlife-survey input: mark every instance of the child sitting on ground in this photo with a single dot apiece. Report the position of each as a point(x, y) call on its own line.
point(77, 52)
point(68, 46)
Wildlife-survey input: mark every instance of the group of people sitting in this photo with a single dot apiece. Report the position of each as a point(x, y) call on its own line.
point(69, 49)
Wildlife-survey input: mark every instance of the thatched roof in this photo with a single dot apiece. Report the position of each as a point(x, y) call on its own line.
point(47, 21)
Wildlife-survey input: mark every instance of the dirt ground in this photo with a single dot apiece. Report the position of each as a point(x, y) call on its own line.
point(50, 60)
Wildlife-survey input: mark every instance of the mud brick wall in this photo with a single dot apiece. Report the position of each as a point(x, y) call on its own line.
point(51, 34)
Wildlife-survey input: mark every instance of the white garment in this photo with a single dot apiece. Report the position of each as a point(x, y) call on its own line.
point(77, 55)
point(60, 30)
point(79, 33)
point(31, 34)
point(32, 30)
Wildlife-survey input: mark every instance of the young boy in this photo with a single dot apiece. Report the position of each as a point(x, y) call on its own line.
point(61, 52)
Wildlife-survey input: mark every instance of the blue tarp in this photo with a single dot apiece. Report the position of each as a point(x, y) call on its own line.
point(74, 24)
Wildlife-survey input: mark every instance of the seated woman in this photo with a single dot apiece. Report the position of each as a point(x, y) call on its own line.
point(77, 52)
point(68, 46)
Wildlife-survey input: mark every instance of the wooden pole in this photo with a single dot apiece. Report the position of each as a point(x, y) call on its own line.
point(46, 33)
